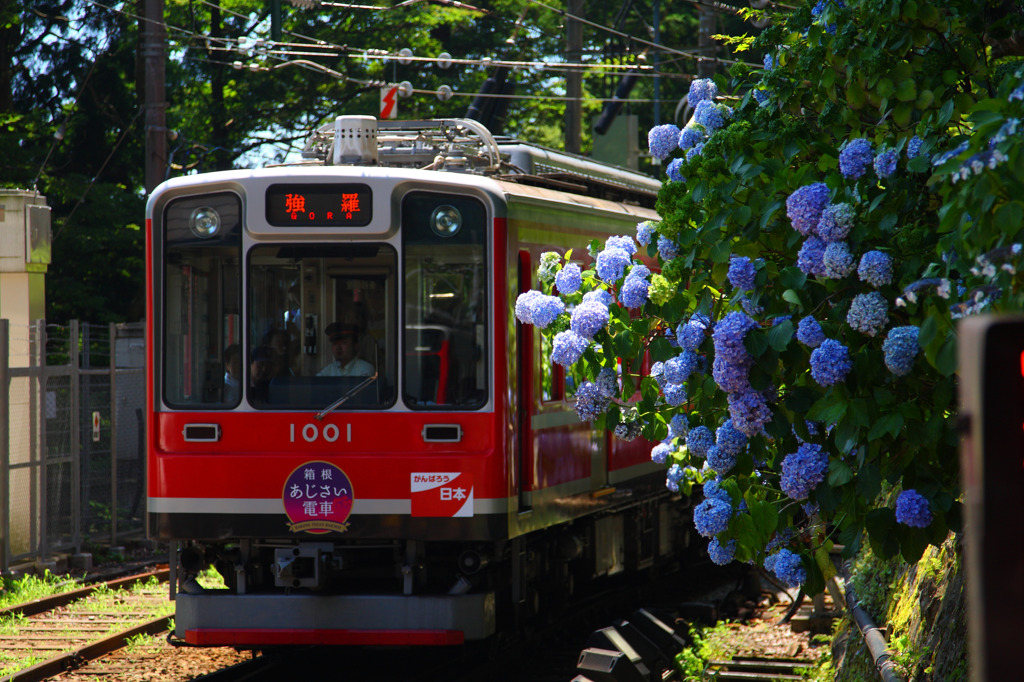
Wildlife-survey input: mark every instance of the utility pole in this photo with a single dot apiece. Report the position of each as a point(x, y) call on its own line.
point(705, 29)
point(574, 80)
point(154, 56)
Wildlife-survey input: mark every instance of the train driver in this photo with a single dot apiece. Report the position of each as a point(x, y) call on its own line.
point(344, 340)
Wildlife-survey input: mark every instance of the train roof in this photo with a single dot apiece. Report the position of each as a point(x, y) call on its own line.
point(466, 146)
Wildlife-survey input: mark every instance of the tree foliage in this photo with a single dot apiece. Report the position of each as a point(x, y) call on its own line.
point(820, 236)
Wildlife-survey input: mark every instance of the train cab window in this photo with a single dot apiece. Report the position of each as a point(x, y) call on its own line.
point(322, 326)
point(202, 301)
point(445, 308)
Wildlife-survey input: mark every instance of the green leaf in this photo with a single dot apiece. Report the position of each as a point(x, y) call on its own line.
point(839, 473)
point(946, 360)
point(780, 335)
point(869, 481)
point(755, 343)
point(790, 296)
point(946, 112)
point(792, 277)
point(887, 424)
point(1008, 218)
point(927, 332)
point(829, 409)
point(800, 399)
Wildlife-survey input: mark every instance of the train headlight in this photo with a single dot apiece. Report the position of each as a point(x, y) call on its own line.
point(204, 222)
point(446, 221)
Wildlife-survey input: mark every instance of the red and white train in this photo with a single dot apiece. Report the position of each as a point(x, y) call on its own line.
point(345, 418)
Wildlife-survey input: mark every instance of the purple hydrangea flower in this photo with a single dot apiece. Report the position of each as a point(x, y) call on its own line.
point(667, 248)
point(809, 333)
point(698, 440)
point(830, 362)
point(567, 347)
point(611, 263)
point(789, 568)
point(709, 115)
point(569, 279)
point(914, 147)
point(690, 136)
point(662, 140)
point(901, 347)
point(885, 163)
point(811, 257)
point(749, 412)
point(730, 439)
point(720, 460)
point(836, 221)
point(731, 377)
point(701, 90)
point(721, 555)
point(728, 336)
point(875, 268)
point(805, 205)
point(660, 453)
point(912, 509)
point(838, 260)
point(675, 394)
point(741, 273)
point(803, 470)
point(855, 158)
point(645, 231)
point(634, 292)
point(591, 402)
point(524, 305)
point(673, 173)
point(711, 517)
point(589, 318)
point(679, 368)
point(691, 334)
point(869, 313)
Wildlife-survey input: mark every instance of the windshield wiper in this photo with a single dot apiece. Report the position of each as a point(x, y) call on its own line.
point(348, 394)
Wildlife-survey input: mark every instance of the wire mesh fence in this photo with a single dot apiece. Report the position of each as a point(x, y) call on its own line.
point(72, 437)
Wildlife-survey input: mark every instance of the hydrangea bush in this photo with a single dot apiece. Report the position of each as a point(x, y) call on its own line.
point(858, 195)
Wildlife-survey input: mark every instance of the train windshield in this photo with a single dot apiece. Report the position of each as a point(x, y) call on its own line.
point(323, 321)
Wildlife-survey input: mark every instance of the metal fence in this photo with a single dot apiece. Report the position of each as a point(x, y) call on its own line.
point(72, 438)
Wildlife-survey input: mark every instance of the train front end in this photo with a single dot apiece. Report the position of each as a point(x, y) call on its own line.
point(327, 427)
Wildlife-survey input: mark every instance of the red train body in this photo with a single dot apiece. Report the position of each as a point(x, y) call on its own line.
point(438, 481)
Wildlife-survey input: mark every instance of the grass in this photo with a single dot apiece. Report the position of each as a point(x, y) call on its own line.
point(20, 590)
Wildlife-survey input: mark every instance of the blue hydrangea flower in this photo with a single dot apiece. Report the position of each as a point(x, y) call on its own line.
point(524, 305)
point(830, 362)
point(789, 569)
point(836, 221)
point(769, 62)
point(730, 439)
point(805, 205)
point(679, 426)
point(698, 440)
point(900, 348)
point(658, 373)
point(701, 90)
point(719, 460)
point(645, 231)
point(811, 257)
point(679, 368)
point(621, 241)
point(803, 470)
point(599, 296)
point(634, 292)
point(741, 273)
point(611, 263)
point(545, 309)
point(673, 173)
point(711, 517)
point(667, 248)
point(675, 394)
point(691, 135)
point(749, 412)
point(709, 115)
point(728, 337)
point(912, 509)
point(838, 260)
point(769, 562)
point(875, 268)
point(761, 95)
point(713, 490)
point(721, 555)
point(662, 140)
point(869, 313)
point(639, 270)
point(914, 147)
point(855, 158)
point(590, 401)
point(569, 279)
point(675, 473)
point(607, 382)
point(809, 333)
point(660, 453)
point(885, 163)
point(732, 377)
point(567, 347)
point(696, 150)
point(588, 318)
point(691, 334)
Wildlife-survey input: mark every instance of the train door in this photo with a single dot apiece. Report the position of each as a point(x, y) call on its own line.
point(524, 379)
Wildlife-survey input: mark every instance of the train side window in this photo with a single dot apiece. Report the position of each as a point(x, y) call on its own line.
point(202, 301)
point(445, 356)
